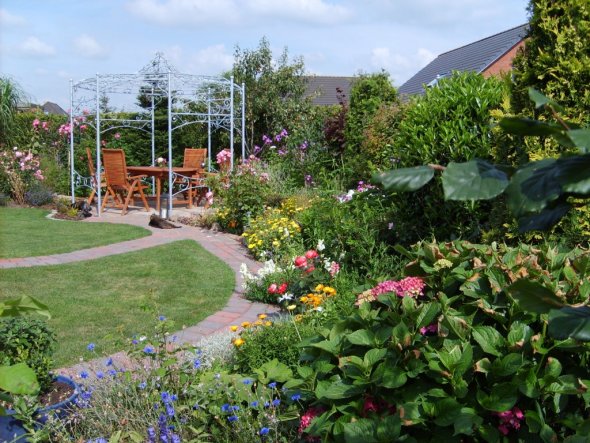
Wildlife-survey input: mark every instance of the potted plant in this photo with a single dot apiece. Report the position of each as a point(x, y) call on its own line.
point(29, 341)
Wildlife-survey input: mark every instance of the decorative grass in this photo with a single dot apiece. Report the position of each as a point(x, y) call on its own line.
point(26, 232)
point(108, 299)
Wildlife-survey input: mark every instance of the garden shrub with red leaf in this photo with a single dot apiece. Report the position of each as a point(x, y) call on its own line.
point(448, 352)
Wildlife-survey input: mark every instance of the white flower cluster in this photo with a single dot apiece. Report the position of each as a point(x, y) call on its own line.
point(269, 267)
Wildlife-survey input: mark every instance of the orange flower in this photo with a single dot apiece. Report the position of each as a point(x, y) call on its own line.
point(245, 324)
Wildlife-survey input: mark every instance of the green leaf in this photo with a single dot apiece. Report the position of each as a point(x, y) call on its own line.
point(545, 219)
point(446, 411)
point(331, 346)
point(18, 379)
point(527, 126)
point(473, 180)
point(389, 376)
point(23, 305)
point(570, 322)
point(507, 365)
point(502, 397)
point(361, 337)
point(360, 431)
point(373, 356)
point(467, 422)
point(530, 190)
point(405, 179)
point(539, 99)
point(489, 339)
point(534, 297)
point(388, 428)
point(580, 138)
point(338, 390)
point(428, 312)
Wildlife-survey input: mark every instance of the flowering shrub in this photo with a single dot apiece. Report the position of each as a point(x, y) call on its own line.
point(273, 232)
point(22, 171)
point(241, 194)
point(448, 353)
point(167, 393)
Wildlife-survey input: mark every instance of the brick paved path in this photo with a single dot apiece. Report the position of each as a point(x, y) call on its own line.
point(225, 246)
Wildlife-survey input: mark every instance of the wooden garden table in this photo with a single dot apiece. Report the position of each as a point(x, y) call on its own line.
point(162, 174)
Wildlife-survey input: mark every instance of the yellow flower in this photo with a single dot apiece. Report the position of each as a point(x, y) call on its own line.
point(257, 323)
point(303, 299)
point(245, 324)
point(267, 323)
point(298, 317)
point(319, 288)
point(233, 328)
point(262, 316)
point(238, 342)
point(291, 307)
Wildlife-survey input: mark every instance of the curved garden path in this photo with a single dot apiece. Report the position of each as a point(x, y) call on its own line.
point(225, 246)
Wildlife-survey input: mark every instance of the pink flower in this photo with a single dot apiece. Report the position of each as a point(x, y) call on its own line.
point(272, 289)
point(300, 262)
point(407, 287)
point(45, 126)
point(311, 254)
point(36, 123)
point(510, 420)
point(334, 268)
point(431, 329)
point(83, 127)
point(18, 154)
point(308, 417)
point(117, 136)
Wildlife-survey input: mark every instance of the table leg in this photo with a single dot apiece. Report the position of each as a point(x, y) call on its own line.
point(158, 186)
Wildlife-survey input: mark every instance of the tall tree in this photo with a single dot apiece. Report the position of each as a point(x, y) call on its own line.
point(556, 57)
point(274, 89)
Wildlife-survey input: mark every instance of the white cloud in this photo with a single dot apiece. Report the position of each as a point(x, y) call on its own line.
point(8, 19)
point(185, 12)
point(212, 60)
point(401, 67)
point(32, 46)
point(88, 47)
point(306, 11)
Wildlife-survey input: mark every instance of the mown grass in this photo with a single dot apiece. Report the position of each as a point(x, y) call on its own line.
point(104, 301)
point(26, 232)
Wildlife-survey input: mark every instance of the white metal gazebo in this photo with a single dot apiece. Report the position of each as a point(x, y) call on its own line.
point(216, 102)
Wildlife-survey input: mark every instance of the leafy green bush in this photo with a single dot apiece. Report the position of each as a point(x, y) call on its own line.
point(28, 340)
point(357, 229)
point(279, 341)
point(452, 122)
point(448, 353)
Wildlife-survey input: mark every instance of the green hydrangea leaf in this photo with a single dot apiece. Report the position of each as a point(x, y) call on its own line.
point(405, 179)
point(473, 180)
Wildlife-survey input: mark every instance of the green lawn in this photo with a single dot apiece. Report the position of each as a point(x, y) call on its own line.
point(26, 232)
point(101, 300)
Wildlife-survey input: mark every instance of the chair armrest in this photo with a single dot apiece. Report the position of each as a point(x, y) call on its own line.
point(134, 177)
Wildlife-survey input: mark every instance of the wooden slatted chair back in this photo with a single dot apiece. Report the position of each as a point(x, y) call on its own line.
point(194, 158)
point(115, 168)
point(91, 169)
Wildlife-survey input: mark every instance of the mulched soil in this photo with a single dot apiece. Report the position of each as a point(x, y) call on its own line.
point(58, 392)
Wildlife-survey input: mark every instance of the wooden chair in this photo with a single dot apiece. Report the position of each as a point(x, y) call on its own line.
point(195, 158)
point(92, 171)
point(119, 183)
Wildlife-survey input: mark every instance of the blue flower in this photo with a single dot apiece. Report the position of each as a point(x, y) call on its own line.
point(149, 349)
point(235, 408)
point(134, 341)
point(142, 385)
point(151, 432)
point(264, 431)
point(161, 318)
point(276, 402)
point(247, 381)
point(254, 404)
point(196, 406)
point(84, 374)
point(100, 375)
point(225, 408)
point(272, 385)
point(91, 347)
point(175, 438)
point(165, 397)
point(266, 404)
point(232, 418)
point(112, 373)
point(197, 363)
point(109, 362)
point(170, 410)
point(296, 397)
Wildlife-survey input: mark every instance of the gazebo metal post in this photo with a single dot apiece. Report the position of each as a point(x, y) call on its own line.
point(243, 121)
point(98, 163)
point(231, 124)
point(169, 145)
point(153, 142)
point(71, 159)
point(208, 129)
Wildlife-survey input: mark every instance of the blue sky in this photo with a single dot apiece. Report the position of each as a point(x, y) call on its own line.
point(45, 43)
